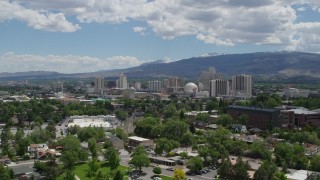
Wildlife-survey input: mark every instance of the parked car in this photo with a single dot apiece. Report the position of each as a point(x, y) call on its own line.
point(170, 169)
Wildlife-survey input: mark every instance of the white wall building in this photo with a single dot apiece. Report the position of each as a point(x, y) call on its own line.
point(155, 86)
point(99, 85)
point(122, 82)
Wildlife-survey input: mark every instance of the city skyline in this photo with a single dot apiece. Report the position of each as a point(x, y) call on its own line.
point(86, 36)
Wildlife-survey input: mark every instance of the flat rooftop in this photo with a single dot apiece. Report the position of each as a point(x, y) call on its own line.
point(254, 108)
point(303, 111)
point(136, 138)
point(90, 121)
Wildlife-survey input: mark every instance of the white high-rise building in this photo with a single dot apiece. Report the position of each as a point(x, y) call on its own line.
point(218, 87)
point(137, 86)
point(155, 85)
point(242, 85)
point(99, 85)
point(122, 82)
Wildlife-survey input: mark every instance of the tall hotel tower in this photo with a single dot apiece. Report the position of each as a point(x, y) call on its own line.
point(122, 82)
point(99, 85)
point(242, 85)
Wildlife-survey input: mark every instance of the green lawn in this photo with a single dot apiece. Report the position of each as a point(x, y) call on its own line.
point(82, 170)
point(166, 177)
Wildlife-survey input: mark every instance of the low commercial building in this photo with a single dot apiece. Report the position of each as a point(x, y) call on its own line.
point(116, 142)
point(292, 116)
point(162, 160)
point(262, 118)
point(136, 141)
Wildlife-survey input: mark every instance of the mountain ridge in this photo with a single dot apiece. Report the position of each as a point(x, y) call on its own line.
point(287, 64)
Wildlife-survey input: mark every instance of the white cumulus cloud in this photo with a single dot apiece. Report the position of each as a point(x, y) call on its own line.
point(35, 18)
point(220, 22)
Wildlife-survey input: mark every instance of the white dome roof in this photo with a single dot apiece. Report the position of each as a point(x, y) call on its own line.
point(190, 88)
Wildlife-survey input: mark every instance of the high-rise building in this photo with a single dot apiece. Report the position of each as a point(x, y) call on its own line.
point(122, 82)
point(218, 87)
point(176, 83)
point(242, 85)
point(155, 85)
point(206, 76)
point(137, 86)
point(99, 85)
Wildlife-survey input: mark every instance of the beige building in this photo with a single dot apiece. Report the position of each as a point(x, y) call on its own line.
point(136, 141)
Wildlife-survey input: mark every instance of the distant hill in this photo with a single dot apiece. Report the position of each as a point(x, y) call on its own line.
point(262, 64)
point(289, 64)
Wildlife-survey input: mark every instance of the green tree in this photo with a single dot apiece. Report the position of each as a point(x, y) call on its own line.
point(315, 163)
point(40, 166)
point(139, 161)
point(271, 103)
point(93, 167)
point(121, 114)
point(170, 111)
point(103, 176)
point(118, 176)
point(279, 176)
point(224, 120)
point(53, 170)
point(195, 164)
point(184, 155)
point(182, 115)
point(69, 175)
point(4, 173)
point(260, 150)
point(266, 171)
point(174, 129)
point(145, 126)
point(140, 158)
point(70, 143)
point(225, 170)
point(240, 170)
point(157, 170)
point(111, 155)
point(164, 144)
point(83, 155)
point(93, 147)
point(23, 144)
point(204, 117)
point(69, 158)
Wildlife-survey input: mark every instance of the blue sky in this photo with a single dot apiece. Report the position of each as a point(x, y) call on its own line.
point(91, 35)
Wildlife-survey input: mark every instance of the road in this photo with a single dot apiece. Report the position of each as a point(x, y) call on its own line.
point(22, 166)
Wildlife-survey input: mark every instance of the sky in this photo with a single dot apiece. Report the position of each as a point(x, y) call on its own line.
point(72, 36)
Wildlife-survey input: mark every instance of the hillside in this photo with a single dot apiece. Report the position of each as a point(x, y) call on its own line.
point(264, 64)
point(287, 64)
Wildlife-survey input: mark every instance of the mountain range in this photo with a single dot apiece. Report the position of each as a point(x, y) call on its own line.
point(260, 64)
